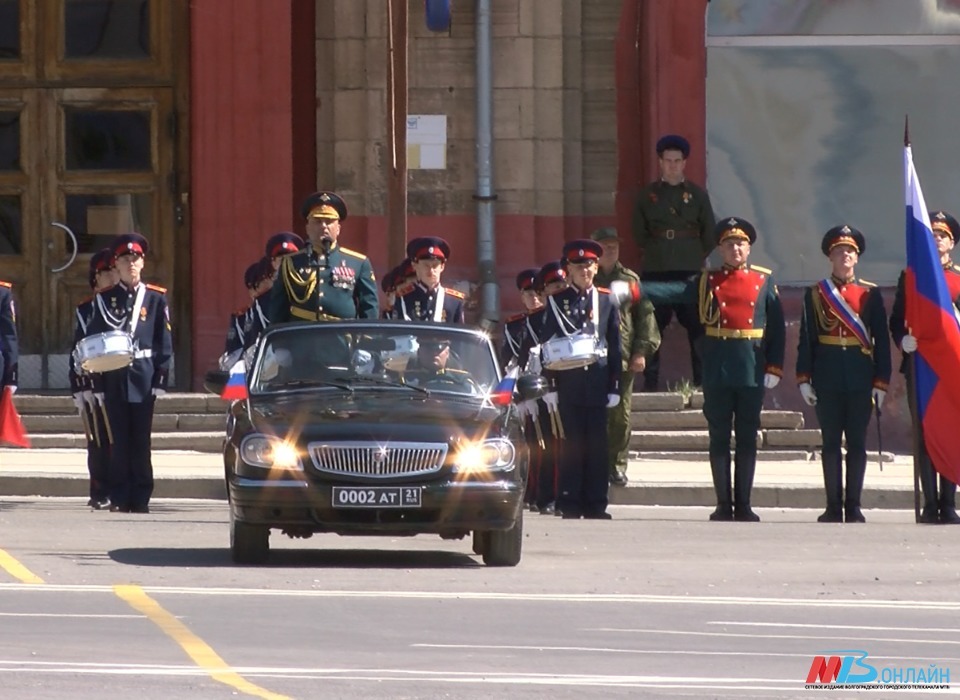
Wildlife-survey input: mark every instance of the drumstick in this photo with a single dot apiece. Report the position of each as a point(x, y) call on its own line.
point(86, 424)
point(539, 432)
point(106, 423)
point(563, 435)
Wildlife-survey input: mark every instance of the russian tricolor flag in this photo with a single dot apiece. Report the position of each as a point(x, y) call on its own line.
point(236, 387)
point(930, 318)
point(503, 393)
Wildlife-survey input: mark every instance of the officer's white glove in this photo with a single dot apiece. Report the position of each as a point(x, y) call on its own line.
point(98, 397)
point(879, 395)
point(908, 344)
point(808, 394)
point(613, 400)
point(552, 400)
point(13, 389)
point(158, 392)
point(623, 292)
point(78, 400)
point(522, 410)
point(363, 361)
point(87, 397)
point(770, 380)
point(531, 408)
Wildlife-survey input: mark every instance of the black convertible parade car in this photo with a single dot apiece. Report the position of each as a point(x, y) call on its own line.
point(375, 428)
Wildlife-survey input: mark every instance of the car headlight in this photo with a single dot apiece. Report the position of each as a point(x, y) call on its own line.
point(496, 454)
point(270, 452)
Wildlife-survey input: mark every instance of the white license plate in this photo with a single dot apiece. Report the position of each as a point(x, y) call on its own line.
point(376, 497)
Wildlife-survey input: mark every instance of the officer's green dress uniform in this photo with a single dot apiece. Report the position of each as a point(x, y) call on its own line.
point(843, 353)
point(639, 335)
point(744, 340)
point(673, 226)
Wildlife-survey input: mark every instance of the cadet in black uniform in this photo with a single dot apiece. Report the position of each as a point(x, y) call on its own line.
point(9, 346)
point(843, 367)
point(103, 275)
point(584, 394)
point(130, 393)
point(428, 299)
point(257, 274)
point(280, 245)
point(325, 281)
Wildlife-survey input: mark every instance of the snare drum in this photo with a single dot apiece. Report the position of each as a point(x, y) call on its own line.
point(572, 352)
point(404, 349)
point(104, 352)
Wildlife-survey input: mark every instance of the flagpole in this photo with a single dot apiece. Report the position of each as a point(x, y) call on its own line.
point(915, 433)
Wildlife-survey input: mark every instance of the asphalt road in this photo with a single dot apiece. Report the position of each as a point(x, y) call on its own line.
point(656, 603)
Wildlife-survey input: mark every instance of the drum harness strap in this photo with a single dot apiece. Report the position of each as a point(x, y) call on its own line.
point(118, 323)
point(563, 323)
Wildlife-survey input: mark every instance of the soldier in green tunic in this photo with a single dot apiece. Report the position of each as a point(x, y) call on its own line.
point(743, 346)
point(673, 227)
point(325, 281)
point(843, 367)
point(639, 339)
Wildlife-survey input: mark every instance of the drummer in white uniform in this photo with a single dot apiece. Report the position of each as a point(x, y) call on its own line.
point(141, 310)
point(584, 319)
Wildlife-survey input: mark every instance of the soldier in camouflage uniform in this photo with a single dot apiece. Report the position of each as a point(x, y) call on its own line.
point(673, 226)
point(639, 339)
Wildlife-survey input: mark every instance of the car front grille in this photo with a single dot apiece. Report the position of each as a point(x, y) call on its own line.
point(373, 460)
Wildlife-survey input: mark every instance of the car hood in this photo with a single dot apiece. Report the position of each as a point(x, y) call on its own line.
point(364, 416)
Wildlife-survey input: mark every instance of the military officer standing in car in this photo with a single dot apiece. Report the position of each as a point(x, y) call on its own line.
point(939, 505)
point(141, 310)
point(584, 393)
point(673, 227)
point(639, 339)
point(428, 299)
point(743, 347)
point(324, 281)
point(843, 367)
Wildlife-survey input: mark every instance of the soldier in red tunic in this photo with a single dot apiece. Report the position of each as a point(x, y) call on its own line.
point(937, 507)
point(843, 367)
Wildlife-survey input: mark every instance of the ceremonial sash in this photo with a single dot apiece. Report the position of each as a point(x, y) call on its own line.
point(842, 310)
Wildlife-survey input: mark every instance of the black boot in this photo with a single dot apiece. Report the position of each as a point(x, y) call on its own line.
point(856, 469)
point(948, 502)
point(930, 515)
point(833, 484)
point(720, 468)
point(746, 464)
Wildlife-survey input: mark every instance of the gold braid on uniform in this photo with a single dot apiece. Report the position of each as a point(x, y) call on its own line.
point(709, 312)
point(292, 278)
point(826, 322)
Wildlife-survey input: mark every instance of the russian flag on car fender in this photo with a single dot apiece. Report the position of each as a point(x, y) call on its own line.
point(236, 386)
point(503, 393)
point(931, 320)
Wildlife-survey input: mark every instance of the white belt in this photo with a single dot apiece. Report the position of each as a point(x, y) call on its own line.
point(140, 354)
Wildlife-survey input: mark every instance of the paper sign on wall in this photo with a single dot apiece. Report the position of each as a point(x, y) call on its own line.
point(426, 141)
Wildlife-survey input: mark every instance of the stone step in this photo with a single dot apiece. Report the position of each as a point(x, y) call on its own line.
point(657, 401)
point(196, 442)
point(763, 454)
point(162, 422)
point(36, 404)
point(687, 440)
point(694, 420)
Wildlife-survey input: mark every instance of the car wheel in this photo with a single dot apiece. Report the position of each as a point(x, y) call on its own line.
point(503, 546)
point(480, 540)
point(249, 544)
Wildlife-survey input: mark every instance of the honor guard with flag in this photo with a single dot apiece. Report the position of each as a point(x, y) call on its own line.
point(325, 280)
point(843, 367)
point(939, 503)
point(743, 347)
point(428, 299)
point(85, 386)
point(130, 393)
point(584, 393)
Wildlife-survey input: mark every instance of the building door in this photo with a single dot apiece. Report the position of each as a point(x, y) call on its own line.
point(88, 149)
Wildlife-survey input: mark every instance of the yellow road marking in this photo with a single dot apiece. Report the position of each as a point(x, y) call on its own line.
point(197, 649)
point(17, 570)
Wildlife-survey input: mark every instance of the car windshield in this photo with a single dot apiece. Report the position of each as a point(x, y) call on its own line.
point(391, 357)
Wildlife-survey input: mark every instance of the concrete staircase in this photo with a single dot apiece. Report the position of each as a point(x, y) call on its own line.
point(181, 422)
point(671, 426)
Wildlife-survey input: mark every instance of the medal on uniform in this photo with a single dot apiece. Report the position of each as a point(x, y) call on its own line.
point(686, 198)
point(343, 277)
point(143, 314)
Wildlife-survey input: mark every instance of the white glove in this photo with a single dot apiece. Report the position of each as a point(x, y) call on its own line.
point(87, 396)
point(552, 400)
point(879, 394)
point(908, 344)
point(363, 361)
point(158, 392)
point(770, 380)
point(623, 292)
point(78, 400)
point(613, 400)
point(531, 408)
point(13, 389)
point(808, 394)
point(98, 397)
